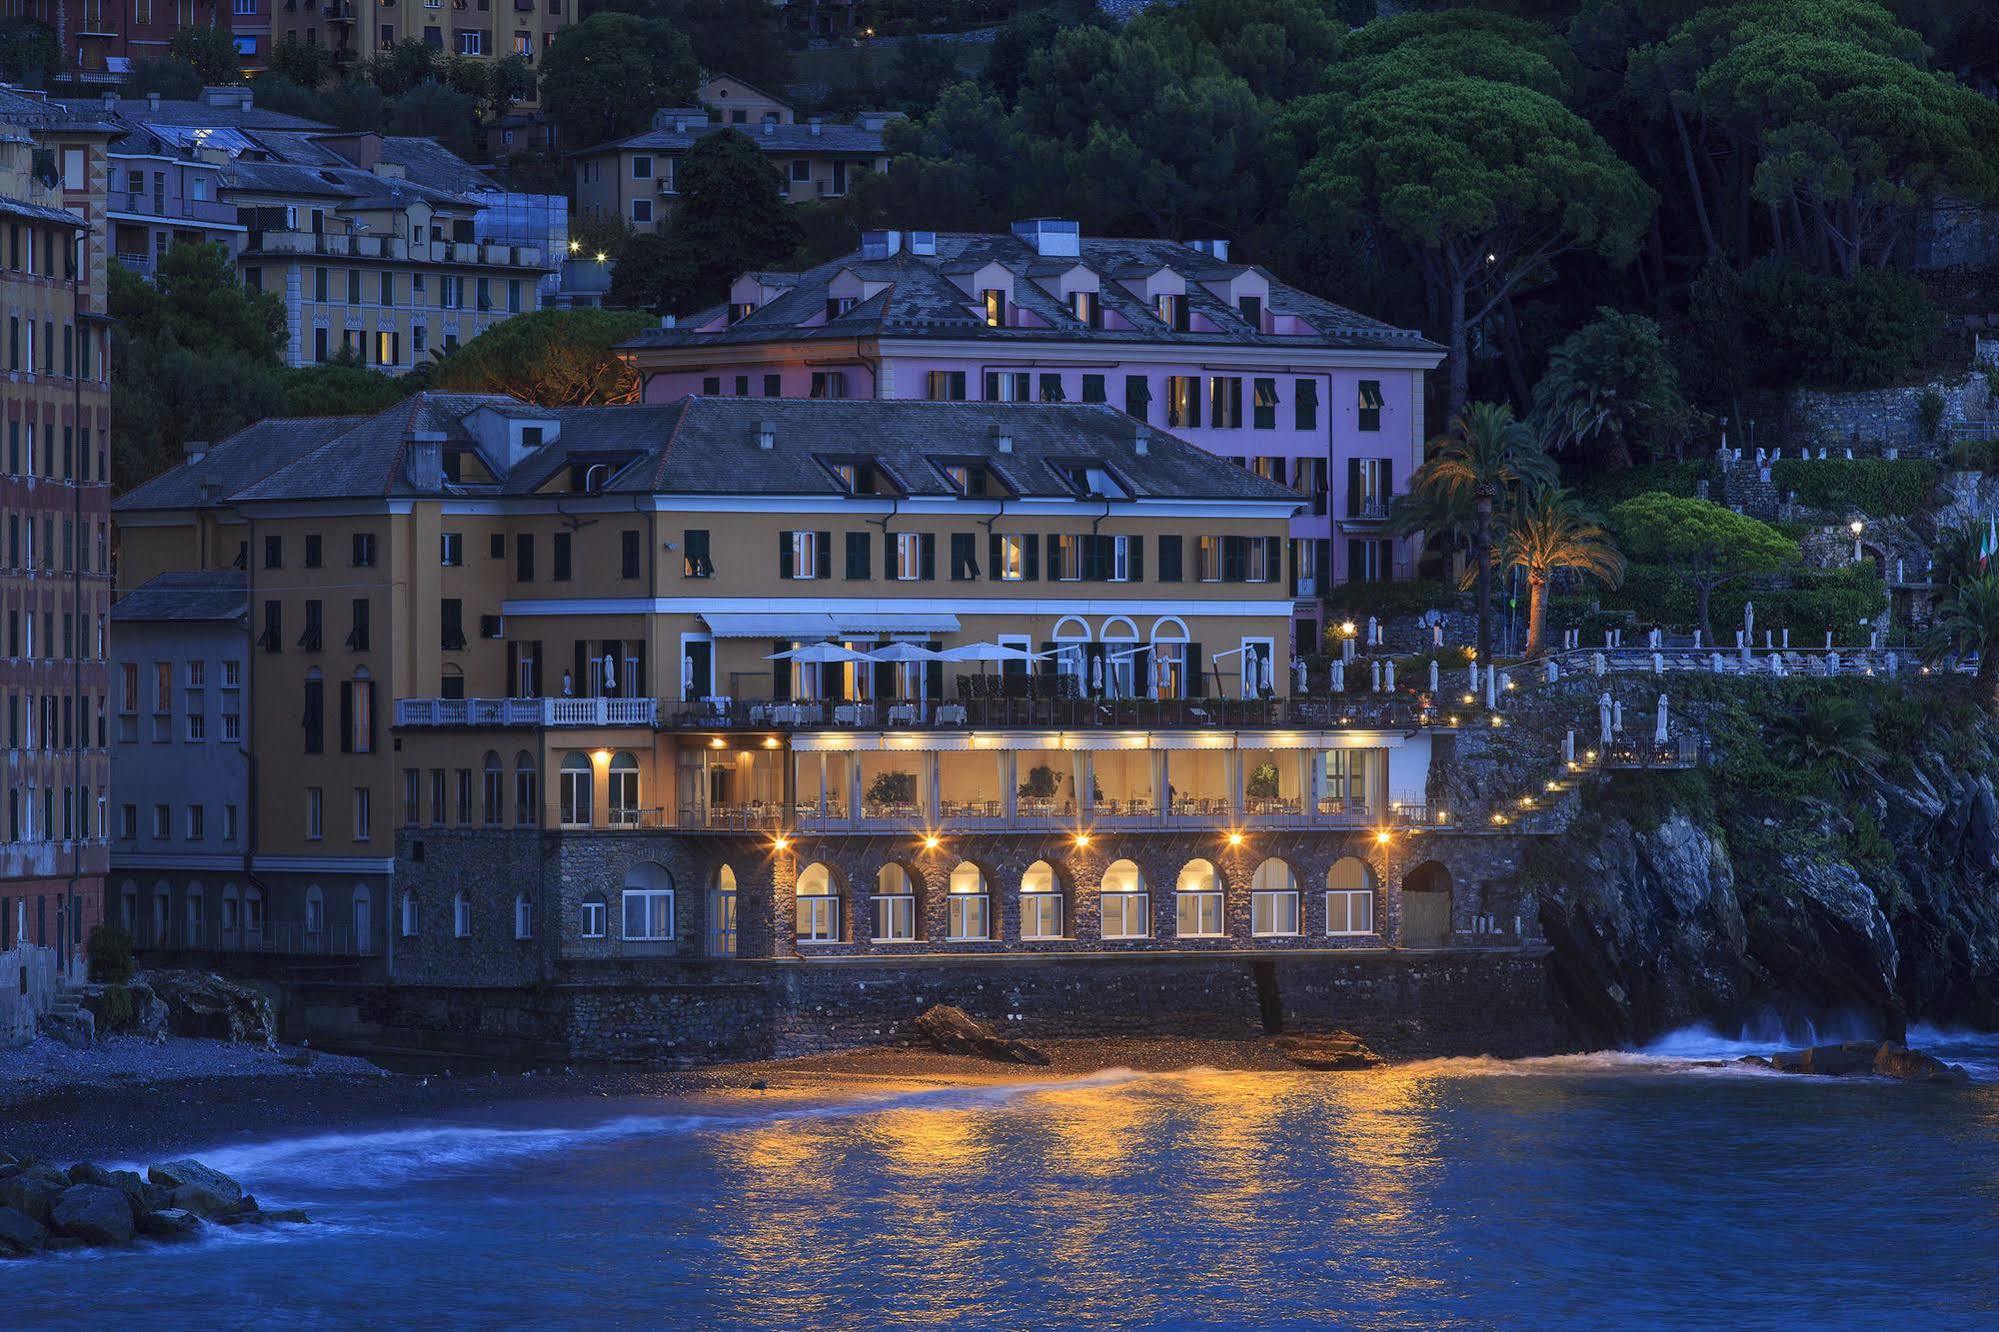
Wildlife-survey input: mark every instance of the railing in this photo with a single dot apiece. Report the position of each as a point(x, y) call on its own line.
point(1129, 815)
point(1369, 511)
point(293, 940)
point(364, 245)
point(190, 210)
point(141, 264)
point(1681, 751)
point(527, 712)
point(1365, 711)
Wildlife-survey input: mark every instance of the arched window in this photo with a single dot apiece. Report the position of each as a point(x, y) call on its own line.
point(1040, 902)
point(364, 919)
point(527, 791)
point(818, 905)
point(523, 917)
point(623, 792)
point(409, 923)
point(1197, 901)
point(1350, 897)
point(895, 904)
point(232, 914)
point(970, 905)
point(594, 914)
point(315, 909)
point(359, 713)
point(722, 914)
point(647, 904)
point(1171, 669)
point(493, 787)
point(576, 781)
point(1273, 900)
point(128, 907)
point(1123, 902)
point(163, 914)
point(461, 915)
point(253, 916)
point(1426, 906)
point(1071, 653)
point(197, 915)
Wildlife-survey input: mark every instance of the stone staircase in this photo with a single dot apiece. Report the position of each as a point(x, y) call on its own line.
point(67, 1020)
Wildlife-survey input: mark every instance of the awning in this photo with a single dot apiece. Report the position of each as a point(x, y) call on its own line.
point(894, 622)
point(795, 627)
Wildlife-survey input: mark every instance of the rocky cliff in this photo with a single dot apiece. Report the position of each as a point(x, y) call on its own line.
point(1837, 861)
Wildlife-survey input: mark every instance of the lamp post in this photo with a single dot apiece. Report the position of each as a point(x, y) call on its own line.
point(1856, 527)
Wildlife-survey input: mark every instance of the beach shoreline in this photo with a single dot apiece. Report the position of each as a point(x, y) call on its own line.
point(133, 1118)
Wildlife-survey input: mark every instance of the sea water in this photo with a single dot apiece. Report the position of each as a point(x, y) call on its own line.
point(1665, 1187)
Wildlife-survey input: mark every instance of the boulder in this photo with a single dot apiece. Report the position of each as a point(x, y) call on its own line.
point(954, 1031)
point(89, 1172)
point(1828, 1060)
point(201, 1003)
point(74, 1027)
point(20, 1234)
point(1898, 1061)
point(144, 1197)
point(195, 1187)
point(94, 1214)
point(1333, 1052)
point(173, 1224)
point(256, 1216)
point(33, 1190)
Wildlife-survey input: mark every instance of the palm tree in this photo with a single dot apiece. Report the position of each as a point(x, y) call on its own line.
point(1829, 732)
point(1485, 454)
point(1968, 621)
point(1550, 531)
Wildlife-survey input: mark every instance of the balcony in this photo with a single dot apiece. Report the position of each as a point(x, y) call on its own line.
point(1030, 815)
point(290, 940)
point(1370, 712)
point(367, 245)
point(147, 204)
point(480, 712)
point(1370, 511)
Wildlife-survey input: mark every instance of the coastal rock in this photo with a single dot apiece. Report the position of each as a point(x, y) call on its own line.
point(94, 1214)
point(201, 1003)
point(33, 1190)
point(955, 1031)
point(172, 1225)
point(132, 1009)
point(1338, 1051)
point(1830, 1061)
point(74, 1027)
point(20, 1234)
point(197, 1188)
point(1898, 1061)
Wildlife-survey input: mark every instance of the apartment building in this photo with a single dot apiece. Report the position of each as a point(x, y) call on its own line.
point(101, 38)
point(697, 626)
point(180, 866)
point(1302, 392)
point(479, 29)
point(382, 247)
point(635, 179)
point(54, 511)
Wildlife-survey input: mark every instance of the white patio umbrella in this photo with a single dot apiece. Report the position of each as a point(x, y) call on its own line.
point(1603, 719)
point(1096, 675)
point(686, 675)
point(820, 654)
point(1263, 672)
point(1617, 717)
point(610, 673)
point(987, 652)
point(1298, 675)
point(1374, 676)
point(1339, 677)
point(1659, 729)
point(898, 654)
point(1388, 677)
point(1433, 675)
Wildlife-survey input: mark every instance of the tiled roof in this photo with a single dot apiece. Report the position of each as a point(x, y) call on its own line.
point(921, 301)
point(187, 597)
point(792, 139)
point(706, 446)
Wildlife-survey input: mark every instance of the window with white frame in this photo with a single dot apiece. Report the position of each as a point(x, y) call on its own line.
point(895, 905)
point(593, 917)
point(409, 922)
point(1198, 901)
point(1120, 571)
point(1350, 897)
point(315, 813)
point(574, 790)
point(817, 906)
point(524, 917)
point(622, 790)
point(1273, 900)
point(908, 556)
point(648, 914)
point(805, 554)
point(968, 907)
point(1123, 902)
point(1040, 903)
point(461, 917)
point(1013, 558)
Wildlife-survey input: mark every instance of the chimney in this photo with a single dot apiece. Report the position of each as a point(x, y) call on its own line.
point(152, 101)
point(880, 244)
point(1214, 248)
point(1006, 443)
point(110, 99)
point(923, 242)
point(814, 123)
point(195, 449)
point(1141, 443)
point(666, 321)
point(766, 434)
point(1051, 237)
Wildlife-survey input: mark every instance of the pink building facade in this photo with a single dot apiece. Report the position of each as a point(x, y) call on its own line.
point(1305, 393)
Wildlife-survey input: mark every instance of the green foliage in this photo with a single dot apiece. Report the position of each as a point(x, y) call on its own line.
point(1025, 33)
point(1930, 409)
point(1829, 732)
point(1261, 784)
point(445, 114)
point(1880, 486)
point(170, 77)
point(1357, 601)
point(649, 275)
point(1604, 491)
point(307, 64)
point(731, 218)
point(1611, 386)
point(275, 92)
point(892, 788)
point(1041, 782)
point(1858, 332)
point(509, 79)
point(110, 949)
point(117, 1011)
point(1474, 43)
point(357, 104)
point(211, 51)
point(1706, 545)
point(29, 51)
point(340, 388)
point(552, 358)
point(604, 77)
point(921, 72)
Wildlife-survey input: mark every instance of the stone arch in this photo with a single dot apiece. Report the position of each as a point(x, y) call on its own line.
point(1046, 905)
point(1197, 901)
point(1124, 902)
point(231, 919)
point(194, 906)
point(1351, 891)
point(968, 903)
point(722, 913)
point(898, 905)
point(648, 904)
point(1275, 903)
point(362, 905)
point(1426, 906)
point(315, 909)
point(818, 914)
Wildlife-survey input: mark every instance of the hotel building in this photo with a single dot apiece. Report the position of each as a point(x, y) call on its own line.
point(1304, 393)
point(55, 581)
point(528, 689)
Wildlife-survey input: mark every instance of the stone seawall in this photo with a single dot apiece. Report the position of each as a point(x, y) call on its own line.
point(1403, 1004)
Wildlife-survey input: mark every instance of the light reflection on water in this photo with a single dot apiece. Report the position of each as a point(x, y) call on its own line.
point(1599, 1190)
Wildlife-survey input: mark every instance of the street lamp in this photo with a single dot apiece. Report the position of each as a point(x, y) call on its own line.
point(1856, 527)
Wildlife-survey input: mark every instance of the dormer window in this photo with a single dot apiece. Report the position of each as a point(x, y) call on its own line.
point(1173, 312)
point(839, 305)
point(1088, 308)
point(1251, 310)
point(860, 476)
point(530, 437)
point(741, 310)
point(971, 480)
point(994, 301)
point(1091, 480)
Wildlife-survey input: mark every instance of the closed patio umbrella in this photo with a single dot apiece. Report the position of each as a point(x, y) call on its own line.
point(1659, 730)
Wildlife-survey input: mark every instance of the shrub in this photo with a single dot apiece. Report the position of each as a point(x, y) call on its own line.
point(1604, 492)
point(1862, 332)
point(1357, 601)
point(110, 954)
point(1897, 486)
point(1975, 455)
point(1930, 409)
point(119, 1013)
point(892, 788)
